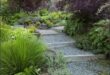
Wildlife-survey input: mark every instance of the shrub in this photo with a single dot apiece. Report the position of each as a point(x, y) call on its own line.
point(57, 65)
point(100, 36)
point(98, 39)
point(83, 42)
point(86, 9)
point(43, 12)
point(74, 26)
point(31, 29)
point(20, 52)
point(54, 18)
point(11, 18)
point(28, 5)
point(30, 71)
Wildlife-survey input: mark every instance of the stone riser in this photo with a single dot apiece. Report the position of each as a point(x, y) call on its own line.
point(72, 58)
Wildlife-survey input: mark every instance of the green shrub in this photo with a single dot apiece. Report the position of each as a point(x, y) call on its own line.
point(11, 18)
point(17, 16)
point(20, 52)
point(57, 65)
point(43, 12)
point(56, 62)
point(29, 71)
point(74, 27)
point(55, 18)
point(100, 36)
point(83, 42)
point(98, 39)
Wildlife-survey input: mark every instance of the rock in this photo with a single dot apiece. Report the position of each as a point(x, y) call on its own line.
point(107, 55)
point(43, 26)
point(36, 19)
point(21, 21)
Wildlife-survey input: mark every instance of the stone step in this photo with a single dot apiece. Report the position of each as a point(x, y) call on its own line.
point(89, 57)
point(47, 32)
point(71, 50)
point(63, 44)
point(58, 29)
point(71, 53)
point(88, 68)
point(57, 39)
point(59, 44)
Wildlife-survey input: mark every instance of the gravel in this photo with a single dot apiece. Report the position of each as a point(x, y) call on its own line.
point(76, 67)
point(71, 50)
point(88, 68)
point(57, 38)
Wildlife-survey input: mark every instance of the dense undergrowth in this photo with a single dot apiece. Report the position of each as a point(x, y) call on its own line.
point(90, 29)
point(96, 38)
point(39, 18)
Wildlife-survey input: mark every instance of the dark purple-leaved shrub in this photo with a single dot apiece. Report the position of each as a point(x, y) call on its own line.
point(60, 4)
point(28, 5)
point(86, 9)
point(86, 12)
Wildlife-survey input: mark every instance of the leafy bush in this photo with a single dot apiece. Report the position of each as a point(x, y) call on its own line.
point(21, 51)
point(56, 61)
point(17, 16)
point(28, 5)
point(100, 36)
point(54, 18)
point(43, 12)
point(98, 39)
point(86, 12)
point(83, 42)
point(30, 71)
point(74, 26)
point(57, 65)
point(31, 29)
point(86, 9)
point(11, 18)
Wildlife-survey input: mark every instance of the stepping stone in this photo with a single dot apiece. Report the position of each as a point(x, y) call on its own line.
point(47, 32)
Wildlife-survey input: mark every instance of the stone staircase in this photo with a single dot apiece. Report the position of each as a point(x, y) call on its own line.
point(59, 42)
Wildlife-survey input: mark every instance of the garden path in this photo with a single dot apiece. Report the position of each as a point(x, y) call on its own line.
point(79, 62)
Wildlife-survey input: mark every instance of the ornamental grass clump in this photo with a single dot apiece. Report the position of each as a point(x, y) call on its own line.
point(21, 51)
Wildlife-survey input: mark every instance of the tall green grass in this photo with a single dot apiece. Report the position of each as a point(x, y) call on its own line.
point(5, 30)
point(21, 51)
